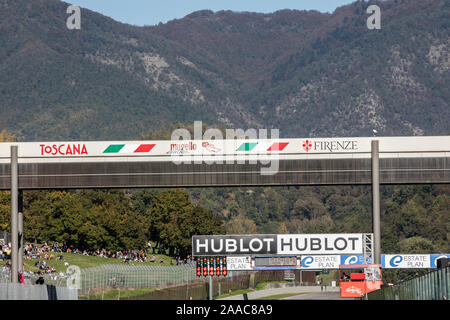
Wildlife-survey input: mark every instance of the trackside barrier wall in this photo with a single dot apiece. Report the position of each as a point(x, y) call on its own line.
point(432, 286)
point(19, 291)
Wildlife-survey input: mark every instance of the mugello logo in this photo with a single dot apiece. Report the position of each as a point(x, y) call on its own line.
point(63, 149)
point(210, 147)
point(179, 148)
point(183, 146)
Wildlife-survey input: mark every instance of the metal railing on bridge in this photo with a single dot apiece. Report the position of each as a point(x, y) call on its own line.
point(432, 286)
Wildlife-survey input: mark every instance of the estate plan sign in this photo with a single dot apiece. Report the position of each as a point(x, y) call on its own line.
point(239, 263)
point(277, 244)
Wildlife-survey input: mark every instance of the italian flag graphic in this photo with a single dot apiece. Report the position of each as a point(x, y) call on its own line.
point(129, 148)
point(249, 146)
point(278, 146)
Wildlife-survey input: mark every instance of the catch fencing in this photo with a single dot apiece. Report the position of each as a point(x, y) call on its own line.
point(115, 281)
point(122, 276)
point(432, 286)
point(5, 236)
point(169, 282)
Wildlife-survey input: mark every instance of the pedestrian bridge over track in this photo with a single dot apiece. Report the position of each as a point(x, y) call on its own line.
point(214, 163)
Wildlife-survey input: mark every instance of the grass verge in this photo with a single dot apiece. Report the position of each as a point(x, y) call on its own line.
point(280, 296)
point(87, 261)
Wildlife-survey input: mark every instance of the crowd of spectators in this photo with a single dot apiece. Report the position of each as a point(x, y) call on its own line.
point(46, 252)
point(5, 250)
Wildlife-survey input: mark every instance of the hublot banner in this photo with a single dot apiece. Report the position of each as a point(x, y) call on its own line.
point(234, 245)
point(289, 244)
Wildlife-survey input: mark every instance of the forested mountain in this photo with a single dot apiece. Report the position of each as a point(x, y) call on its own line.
point(304, 72)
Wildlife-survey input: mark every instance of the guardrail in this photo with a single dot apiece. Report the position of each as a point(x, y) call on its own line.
point(432, 286)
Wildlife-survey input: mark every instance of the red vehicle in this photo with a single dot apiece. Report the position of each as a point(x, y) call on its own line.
point(358, 279)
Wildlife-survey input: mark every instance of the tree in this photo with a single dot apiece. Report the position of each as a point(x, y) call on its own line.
point(7, 137)
point(200, 222)
point(165, 215)
point(5, 210)
point(416, 245)
point(85, 219)
point(241, 225)
point(173, 220)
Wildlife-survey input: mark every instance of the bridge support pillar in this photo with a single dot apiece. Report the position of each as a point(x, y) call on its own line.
point(14, 214)
point(20, 231)
point(376, 253)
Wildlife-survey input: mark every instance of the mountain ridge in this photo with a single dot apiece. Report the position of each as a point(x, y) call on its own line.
point(304, 72)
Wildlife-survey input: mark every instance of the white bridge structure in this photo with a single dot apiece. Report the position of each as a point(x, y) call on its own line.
point(201, 163)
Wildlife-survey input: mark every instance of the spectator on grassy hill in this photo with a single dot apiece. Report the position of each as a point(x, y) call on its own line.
point(143, 257)
point(47, 252)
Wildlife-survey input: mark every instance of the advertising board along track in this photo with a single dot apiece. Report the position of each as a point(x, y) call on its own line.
point(277, 244)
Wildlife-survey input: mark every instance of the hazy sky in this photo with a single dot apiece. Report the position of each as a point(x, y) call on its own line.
point(151, 12)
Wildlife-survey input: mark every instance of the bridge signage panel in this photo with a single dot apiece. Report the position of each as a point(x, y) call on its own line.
point(435, 257)
point(239, 263)
point(320, 243)
point(355, 259)
point(388, 261)
point(321, 262)
point(277, 244)
point(237, 147)
point(224, 245)
point(406, 261)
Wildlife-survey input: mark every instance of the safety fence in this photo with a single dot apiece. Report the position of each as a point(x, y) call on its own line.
point(152, 282)
point(432, 286)
point(135, 277)
point(32, 278)
point(175, 282)
point(5, 236)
